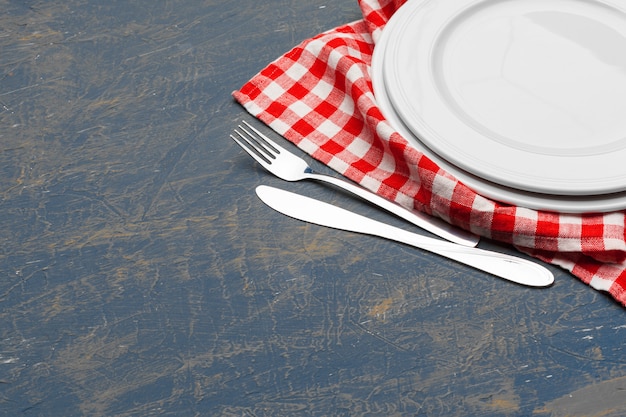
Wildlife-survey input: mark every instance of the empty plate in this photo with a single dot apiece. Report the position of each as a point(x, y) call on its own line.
point(570, 203)
point(527, 94)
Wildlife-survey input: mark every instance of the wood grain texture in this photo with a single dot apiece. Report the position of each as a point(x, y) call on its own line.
point(139, 274)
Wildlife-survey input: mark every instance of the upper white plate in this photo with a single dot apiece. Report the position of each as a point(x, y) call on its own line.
point(560, 203)
point(528, 94)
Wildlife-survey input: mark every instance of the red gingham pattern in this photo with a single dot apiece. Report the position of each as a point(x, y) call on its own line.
point(319, 96)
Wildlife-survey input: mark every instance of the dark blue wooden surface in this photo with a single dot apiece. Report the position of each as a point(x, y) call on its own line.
point(139, 274)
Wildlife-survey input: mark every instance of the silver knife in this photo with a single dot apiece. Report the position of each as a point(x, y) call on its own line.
point(307, 209)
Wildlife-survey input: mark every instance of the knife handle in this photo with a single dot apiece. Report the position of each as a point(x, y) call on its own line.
point(512, 268)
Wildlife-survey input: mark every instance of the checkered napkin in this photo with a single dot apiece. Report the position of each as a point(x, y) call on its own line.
point(319, 96)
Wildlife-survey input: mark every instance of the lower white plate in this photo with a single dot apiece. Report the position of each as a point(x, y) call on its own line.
point(495, 191)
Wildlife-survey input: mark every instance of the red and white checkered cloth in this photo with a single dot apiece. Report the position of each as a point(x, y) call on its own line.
point(319, 96)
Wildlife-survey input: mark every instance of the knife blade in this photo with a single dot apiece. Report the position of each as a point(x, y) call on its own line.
point(512, 268)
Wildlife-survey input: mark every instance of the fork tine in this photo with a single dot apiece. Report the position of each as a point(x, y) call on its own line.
point(257, 142)
point(275, 146)
point(251, 149)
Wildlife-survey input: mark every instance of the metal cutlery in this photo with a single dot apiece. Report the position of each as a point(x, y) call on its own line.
point(509, 267)
point(289, 167)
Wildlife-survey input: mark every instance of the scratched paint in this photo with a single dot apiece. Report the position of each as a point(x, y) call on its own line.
point(140, 276)
point(594, 400)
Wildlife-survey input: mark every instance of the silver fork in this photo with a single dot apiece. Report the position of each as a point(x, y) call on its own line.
point(289, 167)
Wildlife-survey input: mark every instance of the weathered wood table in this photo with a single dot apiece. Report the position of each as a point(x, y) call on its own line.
point(140, 275)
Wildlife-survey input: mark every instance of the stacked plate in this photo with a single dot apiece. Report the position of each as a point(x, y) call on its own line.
point(524, 101)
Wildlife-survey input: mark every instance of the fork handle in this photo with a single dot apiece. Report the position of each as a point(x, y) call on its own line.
point(432, 224)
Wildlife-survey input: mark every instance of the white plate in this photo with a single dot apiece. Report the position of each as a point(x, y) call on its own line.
point(529, 94)
point(560, 203)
